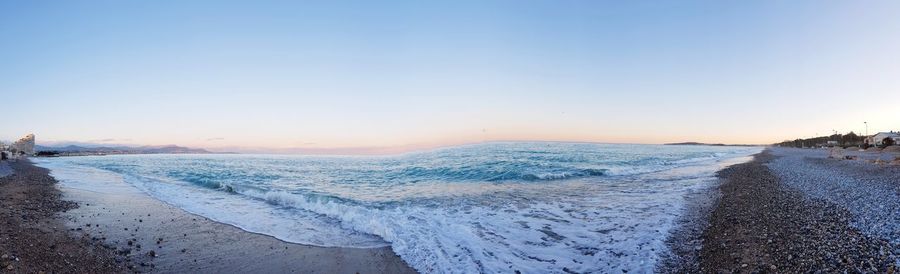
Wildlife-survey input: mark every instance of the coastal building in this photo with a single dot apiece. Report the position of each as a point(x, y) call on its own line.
point(884, 138)
point(24, 145)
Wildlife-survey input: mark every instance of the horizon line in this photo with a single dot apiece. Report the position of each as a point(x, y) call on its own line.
point(360, 150)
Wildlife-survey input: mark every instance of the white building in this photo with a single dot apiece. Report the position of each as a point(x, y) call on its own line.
point(881, 137)
point(24, 145)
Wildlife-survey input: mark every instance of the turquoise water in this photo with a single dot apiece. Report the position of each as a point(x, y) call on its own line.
point(533, 207)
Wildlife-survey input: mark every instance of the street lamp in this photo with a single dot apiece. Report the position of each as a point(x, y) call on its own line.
point(866, 137)
point(835, 137)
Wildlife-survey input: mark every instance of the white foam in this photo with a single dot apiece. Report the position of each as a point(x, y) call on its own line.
point(597, 224)
point(548, 235)
point(249, 214)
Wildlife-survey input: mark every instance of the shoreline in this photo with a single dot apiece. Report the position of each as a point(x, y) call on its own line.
point(132, 231)
point(684, 241)
point(33, 238)
point(758, 222)
point(777, 212)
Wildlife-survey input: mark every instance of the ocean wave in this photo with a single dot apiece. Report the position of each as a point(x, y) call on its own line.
point(496, 173)
point(481, 208)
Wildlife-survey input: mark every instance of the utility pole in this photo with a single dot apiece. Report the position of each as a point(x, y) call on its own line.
point(866, 137)
point(835, 137)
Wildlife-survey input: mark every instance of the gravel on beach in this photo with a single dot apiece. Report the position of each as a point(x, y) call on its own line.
point(763, 223)
point(871, 192)
point(32, 237)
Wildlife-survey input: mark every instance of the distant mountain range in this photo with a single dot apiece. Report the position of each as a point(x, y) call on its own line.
point(705, 144)
point(693, 144)
point(167, 149)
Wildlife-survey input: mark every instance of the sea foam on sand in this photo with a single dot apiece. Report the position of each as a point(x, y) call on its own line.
point(532, 207)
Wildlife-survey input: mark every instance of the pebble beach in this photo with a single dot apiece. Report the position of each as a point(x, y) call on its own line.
point(795, 210)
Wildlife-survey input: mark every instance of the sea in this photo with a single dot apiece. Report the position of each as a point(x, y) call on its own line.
point(532, 207)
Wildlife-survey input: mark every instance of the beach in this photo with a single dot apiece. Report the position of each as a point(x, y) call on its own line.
point(527, 207)
point(795, 210)
point(494, 207)
point(33, 237)
point(784, 211)
point(83, 231)
point(450, 137)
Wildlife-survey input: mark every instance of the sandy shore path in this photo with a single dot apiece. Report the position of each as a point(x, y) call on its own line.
point(134, 232)
point(762, 224)
point(33, 238)
point(150, 235)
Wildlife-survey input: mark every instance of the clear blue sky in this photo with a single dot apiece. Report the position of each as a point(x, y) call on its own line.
point(373, 73)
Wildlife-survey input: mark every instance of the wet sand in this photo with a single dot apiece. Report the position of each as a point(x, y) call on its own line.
point(138, 233)
point(5, 170)
point(33, 238)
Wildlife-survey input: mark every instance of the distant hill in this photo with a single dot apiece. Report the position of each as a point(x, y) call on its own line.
point(172, 149)
point(705, 144)
point(693, 144)
point(168, 149)
point(75, 148)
